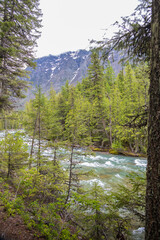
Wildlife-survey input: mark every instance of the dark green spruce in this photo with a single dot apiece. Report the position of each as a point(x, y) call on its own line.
point(19, 30)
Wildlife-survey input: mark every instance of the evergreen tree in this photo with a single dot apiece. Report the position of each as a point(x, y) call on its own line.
point(34, 122)
point(63, 105)
point(13, 153)
point(52, 122)
point(96, 79)
point(109, 82)
point(19, 24)
point(77, 121)
point(93, 87)
point(133, 36)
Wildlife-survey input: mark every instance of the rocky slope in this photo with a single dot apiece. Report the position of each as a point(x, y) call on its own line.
point(56, 70)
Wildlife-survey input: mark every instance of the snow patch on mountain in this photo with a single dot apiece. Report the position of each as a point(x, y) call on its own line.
point(76, 72)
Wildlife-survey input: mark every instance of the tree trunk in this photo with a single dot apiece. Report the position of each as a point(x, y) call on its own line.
point(9, 165)
point(70, 176)
point(152, 231)
point(39, 130)
point(32, 146)
point(55, 156)
point(110, 122)
point(39, 139)
point(104, 127)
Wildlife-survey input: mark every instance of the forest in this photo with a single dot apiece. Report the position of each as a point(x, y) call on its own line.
point(104, 111)
point(116, 114)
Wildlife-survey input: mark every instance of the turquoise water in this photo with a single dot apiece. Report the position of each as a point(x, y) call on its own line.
point(107, 170)
point(111, 170)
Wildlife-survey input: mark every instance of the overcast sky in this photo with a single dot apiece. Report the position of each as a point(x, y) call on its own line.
point(68, 25)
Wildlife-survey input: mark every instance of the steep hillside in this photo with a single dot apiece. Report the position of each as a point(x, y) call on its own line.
point(56, 70)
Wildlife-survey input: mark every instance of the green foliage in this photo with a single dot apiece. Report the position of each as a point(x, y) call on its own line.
point(101, 111)
point(77, 119)
point(19, 24)
point(117, 145)
point(131, 196)
point(133, 35)
point(10, 120)
point(14, 153)
point(99, 218)
point(39, 198)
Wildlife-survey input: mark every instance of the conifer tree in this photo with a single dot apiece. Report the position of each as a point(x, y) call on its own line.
point(34, 120)
point(63, 104)
point(93, 87)
point(19, 24)
point(109, 82)
point(13, 153)
point(52, 120)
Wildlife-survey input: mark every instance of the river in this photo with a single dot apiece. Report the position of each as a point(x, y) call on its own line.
point(107, 170)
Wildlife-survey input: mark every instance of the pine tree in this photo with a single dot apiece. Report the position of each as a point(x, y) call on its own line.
point(93, 87)
point(109, 82)
point(19, 24)
point(133, 36)
point(13, 153)
point(63, 105)
point(52, 120)
point(34, 121)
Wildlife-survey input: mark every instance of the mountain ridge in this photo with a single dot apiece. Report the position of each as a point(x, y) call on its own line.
point(71, 66)
point(55, 70)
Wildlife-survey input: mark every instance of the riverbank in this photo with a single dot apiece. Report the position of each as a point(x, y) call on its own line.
point(118, 152)
point(108, 171)
point(13, 227)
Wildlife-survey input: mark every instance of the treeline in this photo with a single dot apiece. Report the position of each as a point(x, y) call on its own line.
point(104, 110)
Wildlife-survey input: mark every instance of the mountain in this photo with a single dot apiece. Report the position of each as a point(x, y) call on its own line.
point(56, 70)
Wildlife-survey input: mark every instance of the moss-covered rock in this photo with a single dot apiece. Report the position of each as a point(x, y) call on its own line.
point(126, 153)
point(96, 149)
point(113, 151)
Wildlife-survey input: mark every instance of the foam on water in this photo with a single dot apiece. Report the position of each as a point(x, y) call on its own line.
point(139, 230)
point(138, 234)
point(93, 181)
point(96, 157)
point(141, 163)
point(117, 160)
point(125, 168)
point(47, 152)
point(118, 176)
point(113, 159)
point(108, 163)
point(94, 164)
